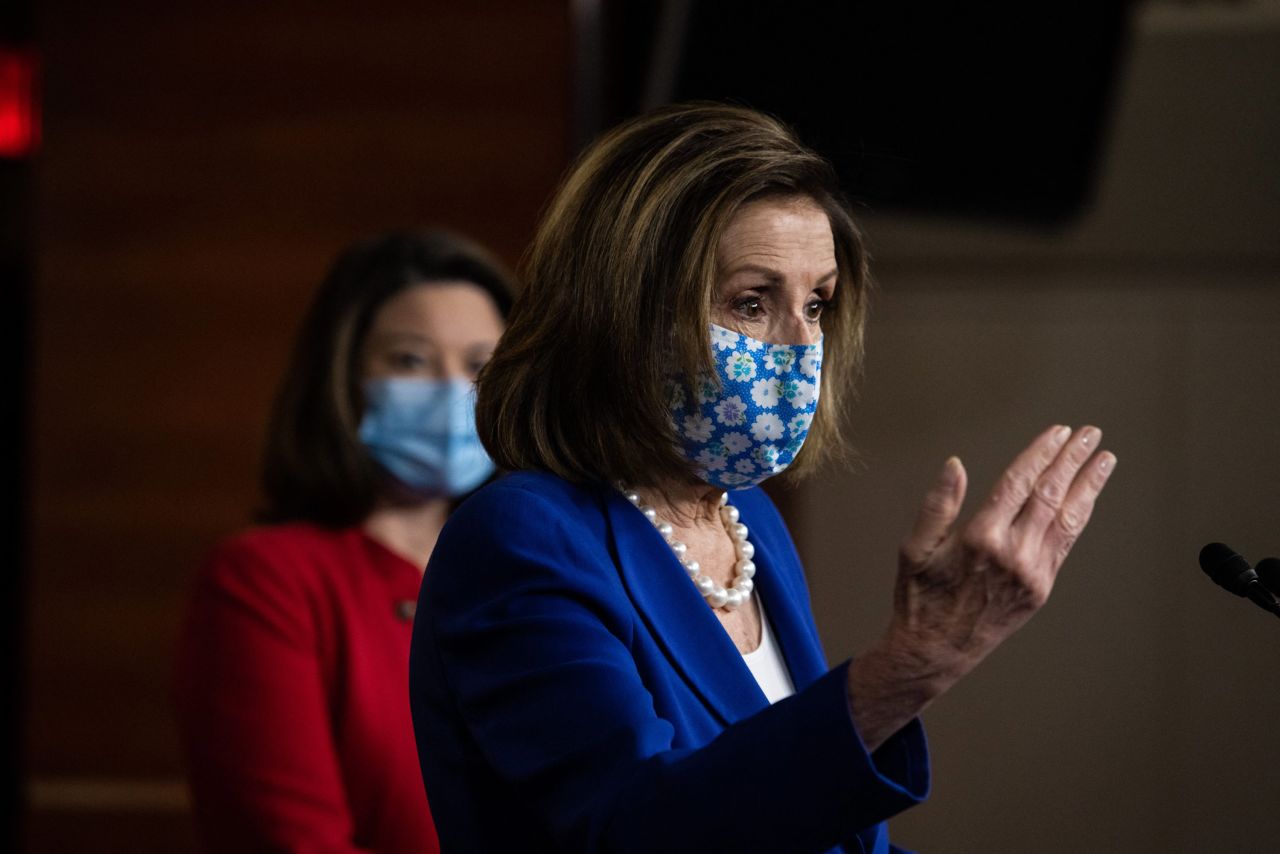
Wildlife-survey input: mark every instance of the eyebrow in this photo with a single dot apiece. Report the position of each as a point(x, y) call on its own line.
point(771, 274)
point(401, 335)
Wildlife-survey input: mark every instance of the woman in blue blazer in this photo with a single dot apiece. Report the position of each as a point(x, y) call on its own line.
point(614, 649)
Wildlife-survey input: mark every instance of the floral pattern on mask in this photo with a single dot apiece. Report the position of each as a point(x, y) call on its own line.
point(748, 422)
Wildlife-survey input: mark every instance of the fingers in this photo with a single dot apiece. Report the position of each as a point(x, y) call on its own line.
point(938, 512)
point(1019, 480)
point(1045, 502)
point(1077, 507)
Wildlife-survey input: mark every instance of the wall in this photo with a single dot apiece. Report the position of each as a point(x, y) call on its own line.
point(1134, 713)
point(202, 165)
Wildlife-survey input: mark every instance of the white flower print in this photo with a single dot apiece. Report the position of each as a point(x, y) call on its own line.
point(806, 394)
point(745, 467)
point(767, 426)
point(731, 411)
point(789, 390)
point(710, 460)
point(780, 359)
point(697, 427)
point(767, 457)
point(811, 362)
point(799, 425)
point(731, 479)
point(734, 443)
point(753, 344)
point(741, 367)
point(723, 339)
point(765, 393)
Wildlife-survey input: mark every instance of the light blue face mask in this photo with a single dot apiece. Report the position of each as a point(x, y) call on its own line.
point(750, 425)
point(424, 433)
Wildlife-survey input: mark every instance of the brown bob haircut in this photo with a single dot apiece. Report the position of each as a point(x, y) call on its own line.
point(618, 285)
point(315, 467)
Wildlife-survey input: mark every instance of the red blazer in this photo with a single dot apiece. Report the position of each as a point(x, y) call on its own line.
point(292, 695)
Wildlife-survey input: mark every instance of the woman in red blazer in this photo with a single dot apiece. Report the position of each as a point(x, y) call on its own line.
point(291, 688)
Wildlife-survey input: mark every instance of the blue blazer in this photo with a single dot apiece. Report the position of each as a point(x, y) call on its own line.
point(571, 691)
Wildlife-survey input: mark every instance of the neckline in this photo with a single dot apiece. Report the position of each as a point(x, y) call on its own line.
point(766, 634)
point(390, 555)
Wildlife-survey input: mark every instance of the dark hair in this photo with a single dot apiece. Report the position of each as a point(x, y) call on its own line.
point(618, 284)
point(314, 467)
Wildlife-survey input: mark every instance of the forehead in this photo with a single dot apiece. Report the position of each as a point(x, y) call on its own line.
point(794, 230)
point(438, 309)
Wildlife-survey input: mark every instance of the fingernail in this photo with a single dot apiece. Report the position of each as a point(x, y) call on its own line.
point(950, 475)
point(1107, 463)
point(1061, 435)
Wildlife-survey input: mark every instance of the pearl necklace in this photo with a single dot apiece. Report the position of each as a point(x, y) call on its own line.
point(717, 597)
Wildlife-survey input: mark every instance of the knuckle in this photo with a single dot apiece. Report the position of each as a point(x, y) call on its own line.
point(1050, 491)
point(1023, 568)
point(982, 540)
point(1037, 595)
point(1070, 522)
point(1076, 453)
point(935, 505)
point(1032, 584)
point(1016, 485)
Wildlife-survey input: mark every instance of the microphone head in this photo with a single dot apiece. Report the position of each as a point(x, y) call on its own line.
point(1268, 570)
point(1227, 569)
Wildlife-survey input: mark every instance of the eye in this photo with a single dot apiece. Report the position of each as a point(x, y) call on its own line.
point(749, 307)
point(403, 360)
point(813, 311)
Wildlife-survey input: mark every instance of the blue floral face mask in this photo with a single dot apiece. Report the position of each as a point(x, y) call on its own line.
point(424, 433)
point(752, 423)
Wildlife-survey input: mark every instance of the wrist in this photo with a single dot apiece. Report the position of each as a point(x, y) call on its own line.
point(897, 665)
point(893, 682)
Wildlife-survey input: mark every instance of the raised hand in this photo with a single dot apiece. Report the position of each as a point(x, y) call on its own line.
point(962, 591)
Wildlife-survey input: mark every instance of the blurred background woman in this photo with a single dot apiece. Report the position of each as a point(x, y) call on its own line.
point(291, 688)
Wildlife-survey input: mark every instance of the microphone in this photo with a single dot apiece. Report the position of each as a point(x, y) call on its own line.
point(1269, 573)
point(1232, 572)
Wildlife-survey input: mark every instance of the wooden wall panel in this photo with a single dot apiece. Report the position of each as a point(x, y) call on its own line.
point(202, 164)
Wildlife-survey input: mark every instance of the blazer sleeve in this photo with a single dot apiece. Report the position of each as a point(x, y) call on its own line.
point(253, 714)
point(522, 606)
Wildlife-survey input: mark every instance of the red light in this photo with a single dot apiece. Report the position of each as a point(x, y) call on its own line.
point(19, 112)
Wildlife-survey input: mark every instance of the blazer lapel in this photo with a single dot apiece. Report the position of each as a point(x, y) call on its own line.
point(692, 637)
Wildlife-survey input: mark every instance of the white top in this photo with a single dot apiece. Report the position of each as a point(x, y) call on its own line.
point(766, 664)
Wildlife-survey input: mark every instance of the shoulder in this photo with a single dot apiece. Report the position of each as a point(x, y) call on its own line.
point(279, 544)
point(521, 528)
point(289, 556)
point(527, 503)
point(285, 537)
point(543, 487)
